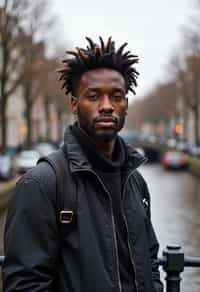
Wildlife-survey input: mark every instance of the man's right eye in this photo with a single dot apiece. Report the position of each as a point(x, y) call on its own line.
point(93, 97)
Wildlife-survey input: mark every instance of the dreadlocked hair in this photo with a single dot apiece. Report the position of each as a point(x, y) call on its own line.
point(96, 56)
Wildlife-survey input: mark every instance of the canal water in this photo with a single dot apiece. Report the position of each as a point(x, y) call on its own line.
point(175, 214)
point(175, 199)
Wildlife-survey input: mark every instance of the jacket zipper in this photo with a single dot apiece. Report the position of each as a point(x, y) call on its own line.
point(113, 224)
point(114, 229)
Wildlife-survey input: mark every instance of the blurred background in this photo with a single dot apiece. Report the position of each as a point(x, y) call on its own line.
point(164, 116)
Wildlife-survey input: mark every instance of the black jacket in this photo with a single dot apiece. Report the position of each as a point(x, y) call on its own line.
point(44, 255)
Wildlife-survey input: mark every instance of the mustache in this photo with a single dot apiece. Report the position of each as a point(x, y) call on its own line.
point(106, 118)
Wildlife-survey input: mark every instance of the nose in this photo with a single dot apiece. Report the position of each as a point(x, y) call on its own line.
point(105, 104)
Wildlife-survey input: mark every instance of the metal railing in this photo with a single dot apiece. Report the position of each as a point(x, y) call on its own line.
point(173, 262)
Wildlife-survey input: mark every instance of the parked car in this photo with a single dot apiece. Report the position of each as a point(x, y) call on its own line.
point(175, 160)
point(171, 143)
point(44, 149)
point(182, 146)
point(26, 160)
point(6, 167)
point(194, 150)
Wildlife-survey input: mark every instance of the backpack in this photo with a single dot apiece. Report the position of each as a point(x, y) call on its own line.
point(57, 160)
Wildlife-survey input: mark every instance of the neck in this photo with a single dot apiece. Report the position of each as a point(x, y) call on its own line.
point(104, 148)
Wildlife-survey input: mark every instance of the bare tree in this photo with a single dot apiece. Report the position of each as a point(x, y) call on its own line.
point(59, 100)
point(19, 20)
point(187, 80)
point(193, 81)
point(37, 24)
point(191, 31)
point(157, 106)
point(10, 59)
point(49, 91)
point(177, 69)
point(31, 81)
point(191, 75)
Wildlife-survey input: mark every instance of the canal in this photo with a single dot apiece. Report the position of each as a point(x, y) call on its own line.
point(175, 215)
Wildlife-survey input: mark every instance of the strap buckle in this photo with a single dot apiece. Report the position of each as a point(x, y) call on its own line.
point(66, 216)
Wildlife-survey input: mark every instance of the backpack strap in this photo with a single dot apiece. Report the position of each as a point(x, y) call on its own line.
point(66, 203)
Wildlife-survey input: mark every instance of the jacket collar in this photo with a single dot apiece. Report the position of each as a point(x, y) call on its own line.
point(78, 161)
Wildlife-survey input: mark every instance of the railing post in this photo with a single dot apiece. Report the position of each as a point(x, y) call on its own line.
point(173, 267)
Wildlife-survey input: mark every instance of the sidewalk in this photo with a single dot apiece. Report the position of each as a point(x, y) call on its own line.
point(5, 184)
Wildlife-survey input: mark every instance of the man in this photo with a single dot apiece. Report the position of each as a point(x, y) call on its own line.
point(108, 243)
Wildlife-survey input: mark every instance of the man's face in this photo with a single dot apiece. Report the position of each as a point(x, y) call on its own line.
point(101, 104)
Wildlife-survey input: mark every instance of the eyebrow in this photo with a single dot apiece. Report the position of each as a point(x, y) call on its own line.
point(119, 89)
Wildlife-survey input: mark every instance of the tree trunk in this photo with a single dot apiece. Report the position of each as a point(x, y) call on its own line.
point(28, 113)
point(196, 125)
point(3, 126)
point(185, 124)
point(59, 126)
point(29, 125)
point(48, 121)
point(3, 98)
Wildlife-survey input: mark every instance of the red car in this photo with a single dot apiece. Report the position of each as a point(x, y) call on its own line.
point(175, 160)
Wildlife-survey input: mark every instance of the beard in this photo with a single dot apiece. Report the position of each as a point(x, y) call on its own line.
point(100, 136)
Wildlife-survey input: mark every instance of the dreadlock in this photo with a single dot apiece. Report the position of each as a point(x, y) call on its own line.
point(96, 56)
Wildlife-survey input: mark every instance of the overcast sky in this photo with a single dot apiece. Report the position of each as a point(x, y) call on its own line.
point(152, 28)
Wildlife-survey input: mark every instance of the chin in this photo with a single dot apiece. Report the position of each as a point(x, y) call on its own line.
point(105, 137)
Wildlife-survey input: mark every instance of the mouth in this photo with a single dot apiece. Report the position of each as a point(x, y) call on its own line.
point(106, 122)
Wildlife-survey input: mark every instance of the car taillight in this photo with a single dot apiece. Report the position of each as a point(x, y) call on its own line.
point(167, 161)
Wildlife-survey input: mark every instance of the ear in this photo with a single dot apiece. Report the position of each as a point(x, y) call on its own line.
point(74, 104)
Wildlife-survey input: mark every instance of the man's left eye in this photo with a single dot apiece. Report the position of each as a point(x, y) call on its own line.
point(117, 97)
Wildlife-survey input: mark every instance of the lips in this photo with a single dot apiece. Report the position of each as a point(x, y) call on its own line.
point(106, 124)
point(106, 121)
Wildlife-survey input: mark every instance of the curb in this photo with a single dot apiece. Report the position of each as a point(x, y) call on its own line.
point(5, 195)
point(194, 166)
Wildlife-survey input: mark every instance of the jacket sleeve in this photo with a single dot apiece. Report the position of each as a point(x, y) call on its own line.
point(153, 248)
point(153, 244)
point(30, 239)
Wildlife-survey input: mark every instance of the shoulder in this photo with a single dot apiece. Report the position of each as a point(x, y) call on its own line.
point(43, 173)
point(139, 179)
point(42, 177)
point(34, 195)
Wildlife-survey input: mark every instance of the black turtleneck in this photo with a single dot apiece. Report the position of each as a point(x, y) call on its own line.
point(111, 173)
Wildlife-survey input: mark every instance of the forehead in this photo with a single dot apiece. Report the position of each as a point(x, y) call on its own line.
point(102, 78)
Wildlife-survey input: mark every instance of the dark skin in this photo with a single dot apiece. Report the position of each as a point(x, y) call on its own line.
point(101, 106)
